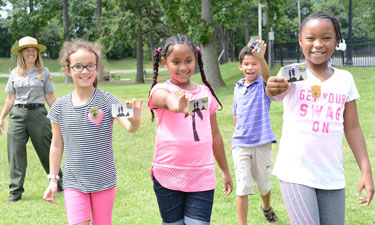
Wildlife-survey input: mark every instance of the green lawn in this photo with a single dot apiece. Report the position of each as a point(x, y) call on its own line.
point(135, 201)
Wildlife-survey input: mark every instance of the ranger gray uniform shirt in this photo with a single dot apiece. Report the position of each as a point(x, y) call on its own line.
point(30, 88)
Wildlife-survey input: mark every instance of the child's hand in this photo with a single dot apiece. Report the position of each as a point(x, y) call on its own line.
point(276, 86)
point(366, 183)
point(259, 55)
point(49, 194)
point(137, 109)
point(228, 184)
point(183, 103)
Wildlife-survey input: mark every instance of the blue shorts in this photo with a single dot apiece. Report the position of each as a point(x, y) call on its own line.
point(178, 208)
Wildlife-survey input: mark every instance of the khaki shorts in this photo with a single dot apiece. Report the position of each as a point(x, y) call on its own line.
point(252, 166)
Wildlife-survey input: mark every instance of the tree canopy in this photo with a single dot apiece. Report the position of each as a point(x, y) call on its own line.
point(124, 22)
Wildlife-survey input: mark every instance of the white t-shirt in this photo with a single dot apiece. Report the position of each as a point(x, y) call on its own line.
point(310, 151)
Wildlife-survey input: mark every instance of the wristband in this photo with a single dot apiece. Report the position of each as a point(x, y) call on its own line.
point(52, 176)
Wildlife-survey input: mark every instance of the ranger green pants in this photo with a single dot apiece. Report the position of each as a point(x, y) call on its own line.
point(25, 124)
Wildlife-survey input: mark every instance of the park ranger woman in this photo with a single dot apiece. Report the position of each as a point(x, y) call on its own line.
point(29, 87)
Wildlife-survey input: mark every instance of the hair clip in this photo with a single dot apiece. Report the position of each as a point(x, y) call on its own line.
point(341, 46)
point(159, 49)
point(198, 48)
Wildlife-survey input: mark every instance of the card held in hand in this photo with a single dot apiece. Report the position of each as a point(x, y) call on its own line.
point(122, 110)
point(255, 45)
point(198, 104)
point(295, 72)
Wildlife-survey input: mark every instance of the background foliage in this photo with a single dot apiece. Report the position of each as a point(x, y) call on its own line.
point(159, 19)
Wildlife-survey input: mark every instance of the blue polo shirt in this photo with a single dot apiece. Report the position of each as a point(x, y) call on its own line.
point(253, 127)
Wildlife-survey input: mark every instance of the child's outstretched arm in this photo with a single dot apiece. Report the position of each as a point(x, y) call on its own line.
point(55, 157)
point(262, 62)
point(219, 153)
point(356, 141)
point(132, 123)
point(163, 99)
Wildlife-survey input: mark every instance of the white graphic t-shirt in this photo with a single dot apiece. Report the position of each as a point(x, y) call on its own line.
point(310, 151)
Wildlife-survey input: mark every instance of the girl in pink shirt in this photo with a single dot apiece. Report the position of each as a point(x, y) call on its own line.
point(187, 141)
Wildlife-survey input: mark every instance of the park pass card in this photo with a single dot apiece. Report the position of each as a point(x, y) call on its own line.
point(122, 110)
point(295, 72)
point(198, 104)
point(255, 45)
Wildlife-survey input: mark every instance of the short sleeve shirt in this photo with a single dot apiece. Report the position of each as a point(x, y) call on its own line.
point(89, 164)
point(183, 158)
point(251, 106)
point(30, 88)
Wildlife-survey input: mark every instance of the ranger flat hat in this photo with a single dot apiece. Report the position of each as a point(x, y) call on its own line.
point(27, 42)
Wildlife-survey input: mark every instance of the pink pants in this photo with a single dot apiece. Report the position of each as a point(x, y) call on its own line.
point(78, 206)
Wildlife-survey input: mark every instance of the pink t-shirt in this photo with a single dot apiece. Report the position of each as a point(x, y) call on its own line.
point(181, 161)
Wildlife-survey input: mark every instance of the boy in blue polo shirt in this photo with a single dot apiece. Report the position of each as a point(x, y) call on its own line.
point(252, 137)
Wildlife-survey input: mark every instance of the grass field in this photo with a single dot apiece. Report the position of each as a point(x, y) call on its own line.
point(135, 200)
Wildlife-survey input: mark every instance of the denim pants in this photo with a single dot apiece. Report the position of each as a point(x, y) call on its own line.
point(177, 207)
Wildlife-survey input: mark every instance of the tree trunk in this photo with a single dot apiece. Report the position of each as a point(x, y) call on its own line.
point(151, 43)
point(226, 45)
point(31, 9)
point(66, 20)
point(99, 17)
point(139, 78)
point(99, 32)
point(65, 7)
point(220, 42)
point(150, 39)
point(209, 52)
point(246, 30)
point(233, 46)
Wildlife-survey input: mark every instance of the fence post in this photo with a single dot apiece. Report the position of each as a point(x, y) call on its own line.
point(281, 55)
point(297, 53)
point(343, 58)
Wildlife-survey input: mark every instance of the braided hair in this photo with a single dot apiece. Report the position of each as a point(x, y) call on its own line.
point(167, 49)
point(324, 15)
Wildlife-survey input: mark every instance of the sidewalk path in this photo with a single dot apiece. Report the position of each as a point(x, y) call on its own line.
point(110, 71)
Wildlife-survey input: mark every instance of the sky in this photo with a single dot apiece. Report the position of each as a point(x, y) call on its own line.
point(3, 12)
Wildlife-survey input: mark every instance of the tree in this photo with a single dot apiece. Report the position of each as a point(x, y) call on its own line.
point(139, 77)
point(28, 17)
point(126, 25)
point(6, 41)
point(65, 16)
point(201, 25)
point(99, 32)
point(209, 54)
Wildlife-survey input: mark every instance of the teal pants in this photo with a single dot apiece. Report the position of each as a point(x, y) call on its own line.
point(25, 124)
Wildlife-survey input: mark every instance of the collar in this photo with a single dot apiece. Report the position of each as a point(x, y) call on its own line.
point(33, 69)
point(241, 82)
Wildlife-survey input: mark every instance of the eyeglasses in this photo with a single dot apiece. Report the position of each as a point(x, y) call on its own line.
point(80, 68)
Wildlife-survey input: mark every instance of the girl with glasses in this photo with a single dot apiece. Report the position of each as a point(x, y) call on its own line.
point(82, 128)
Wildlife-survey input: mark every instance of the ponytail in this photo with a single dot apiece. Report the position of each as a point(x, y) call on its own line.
point(203, 76)
point(155, 60)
